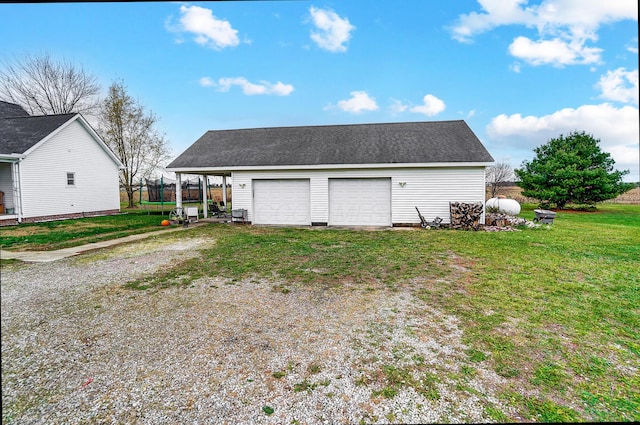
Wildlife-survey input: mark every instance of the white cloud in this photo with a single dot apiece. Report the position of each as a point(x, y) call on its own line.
point(556, 52)
point(359, 101)
point(497, 13)
point(397, 107)
point(431, 106)
point(248, 88)
point(333, 31)
point(616, 128)
point(282, 89)
point(547, 16)
point(619, 85)
point(585, 13)
point(564, 27)
point(208, 30)
point(206, 82)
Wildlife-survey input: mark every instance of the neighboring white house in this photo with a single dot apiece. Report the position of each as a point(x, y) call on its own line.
point(356, 175)
point(53, 167)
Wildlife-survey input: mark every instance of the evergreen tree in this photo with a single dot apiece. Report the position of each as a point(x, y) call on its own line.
point(571, 169)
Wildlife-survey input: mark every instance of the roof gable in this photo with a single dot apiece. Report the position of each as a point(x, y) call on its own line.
point(359, 144)
point(19, 134)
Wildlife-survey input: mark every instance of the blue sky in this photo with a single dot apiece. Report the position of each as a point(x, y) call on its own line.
point(518, 72)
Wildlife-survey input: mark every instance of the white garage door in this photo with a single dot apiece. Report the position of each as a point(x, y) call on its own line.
point(281, 202)
point(360, 202)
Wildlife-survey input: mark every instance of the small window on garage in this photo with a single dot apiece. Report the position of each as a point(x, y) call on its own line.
point(71, 179)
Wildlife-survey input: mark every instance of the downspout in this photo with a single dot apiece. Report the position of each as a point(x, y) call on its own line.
point(484, 194)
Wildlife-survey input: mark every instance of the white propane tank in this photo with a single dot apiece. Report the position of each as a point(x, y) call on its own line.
point(504, 205)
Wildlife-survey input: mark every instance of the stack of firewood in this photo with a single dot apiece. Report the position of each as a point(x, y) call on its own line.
point(498, 219)
point(503, 220)
point(465, 215)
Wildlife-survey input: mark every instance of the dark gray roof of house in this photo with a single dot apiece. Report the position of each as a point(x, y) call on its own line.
point(18, 134)
point(393, 143)
point(11, 110)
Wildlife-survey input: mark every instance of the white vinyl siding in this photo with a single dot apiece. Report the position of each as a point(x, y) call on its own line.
point(360, 202)
point(432, 189)
point(429, 188)
point(281, 201)
point(45, 181)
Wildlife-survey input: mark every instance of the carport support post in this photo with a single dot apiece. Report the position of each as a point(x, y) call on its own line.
point(224, 191)
point(179, 193)
point(204, 196)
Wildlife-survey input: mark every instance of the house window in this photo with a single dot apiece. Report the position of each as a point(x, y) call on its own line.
point(71, 179)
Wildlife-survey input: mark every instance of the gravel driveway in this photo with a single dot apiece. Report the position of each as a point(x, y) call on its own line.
point(78, 347)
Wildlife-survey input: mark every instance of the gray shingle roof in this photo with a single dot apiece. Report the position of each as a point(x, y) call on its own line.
point(394, 143)
point(19, 134)
point(11, 110)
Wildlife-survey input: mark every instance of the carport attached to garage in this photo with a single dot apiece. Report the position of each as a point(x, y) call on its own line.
point(360, 202)
point(281, 201)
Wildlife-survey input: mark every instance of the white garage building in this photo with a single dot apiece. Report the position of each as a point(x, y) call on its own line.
point(344, 175)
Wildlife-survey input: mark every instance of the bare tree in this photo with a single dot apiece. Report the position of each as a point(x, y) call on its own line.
point(129, 131)
point(497, 174)
point(43, 86)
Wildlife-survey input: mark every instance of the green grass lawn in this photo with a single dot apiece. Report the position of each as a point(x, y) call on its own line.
point(52, 235)
point(60, 234)
point(554, 310)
